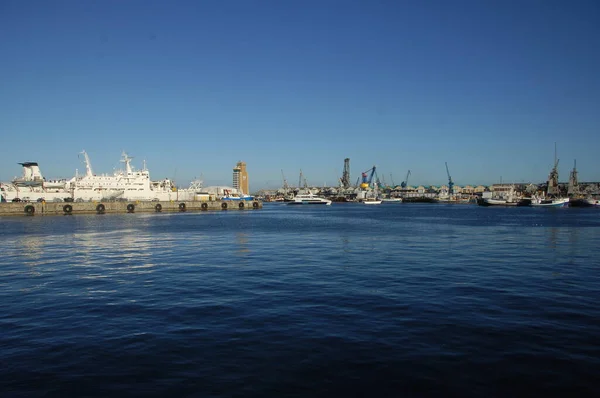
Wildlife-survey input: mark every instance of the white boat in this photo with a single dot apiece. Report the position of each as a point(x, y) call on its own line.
point(392, 200)
point(549, 202)
point(372, 201)
point(308, 198)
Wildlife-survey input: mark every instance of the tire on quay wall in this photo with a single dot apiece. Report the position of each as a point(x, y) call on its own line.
point(255, 205)
point(224, 206)
point(130, 208)
point(204, 206)
point(241, 205)
point(100, 209)
point(158, 208)
point(29, 210)
point(67, 209)
point(182, 207)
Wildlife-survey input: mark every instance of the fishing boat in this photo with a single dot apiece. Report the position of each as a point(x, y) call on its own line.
point(229, 195)
point(502, 198)
point(549, 202)
point(551, 198)
point(576, 198)
point(583, 202)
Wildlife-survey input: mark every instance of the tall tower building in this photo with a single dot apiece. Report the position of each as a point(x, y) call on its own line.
point(240, 178)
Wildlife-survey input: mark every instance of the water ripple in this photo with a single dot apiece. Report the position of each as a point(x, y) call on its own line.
point(406, 300)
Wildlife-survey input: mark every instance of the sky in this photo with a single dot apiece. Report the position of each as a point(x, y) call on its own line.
point(193, 87)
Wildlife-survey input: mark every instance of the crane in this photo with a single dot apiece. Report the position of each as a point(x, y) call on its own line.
point(404, 183)
point(345, 180)
point(392, 180)
point(367, 178)
point(286, 186)
point(302, 179)
point(450, 182)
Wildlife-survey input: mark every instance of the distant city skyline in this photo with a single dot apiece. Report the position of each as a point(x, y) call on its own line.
point(192, 87)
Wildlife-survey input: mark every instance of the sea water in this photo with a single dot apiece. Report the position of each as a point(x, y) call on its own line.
point(341, 300)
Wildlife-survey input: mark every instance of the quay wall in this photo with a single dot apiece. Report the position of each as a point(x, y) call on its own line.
point(61, 208)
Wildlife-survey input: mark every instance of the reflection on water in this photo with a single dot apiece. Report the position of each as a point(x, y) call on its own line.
point(241, 242)
point(32, 249)
point(121, 251)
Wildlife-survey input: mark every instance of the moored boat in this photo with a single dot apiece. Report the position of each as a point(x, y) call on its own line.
point(128, 184)
point(504, 198)
point(549, 202)
point(583, 202)
point(308, 198)
point(392, 200)
point(552, 197)
point(372, 201)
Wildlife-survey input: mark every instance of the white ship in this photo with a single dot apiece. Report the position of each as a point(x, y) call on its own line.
point(128, 184)
point(32, 186)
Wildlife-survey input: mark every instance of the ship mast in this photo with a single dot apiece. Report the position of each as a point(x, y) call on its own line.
point(127, 160)
point(88, 164)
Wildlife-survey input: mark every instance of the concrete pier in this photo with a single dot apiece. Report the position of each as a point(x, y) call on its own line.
point(67, 208)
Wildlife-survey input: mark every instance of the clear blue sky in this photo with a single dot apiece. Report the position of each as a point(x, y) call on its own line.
point(194, 86)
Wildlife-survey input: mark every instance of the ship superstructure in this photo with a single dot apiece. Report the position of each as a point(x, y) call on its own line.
point(33, 186)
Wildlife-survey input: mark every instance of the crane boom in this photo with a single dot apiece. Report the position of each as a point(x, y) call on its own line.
point(367, 178)
point(404, 183)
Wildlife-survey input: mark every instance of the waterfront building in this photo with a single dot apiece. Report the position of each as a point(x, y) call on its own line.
point(240, 178)
point(468, 189)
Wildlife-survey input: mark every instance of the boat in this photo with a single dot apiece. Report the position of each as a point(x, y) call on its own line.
point(370, 197)
point(418, 199)
point(504, 198)
point(308, 198)
point(551, 198)
point(33, 186)
point(549, 202)
point(128, 184)
point(583, 202)
point(391, 200)
point(229, 195)
point(372, 201)
point(576, 198)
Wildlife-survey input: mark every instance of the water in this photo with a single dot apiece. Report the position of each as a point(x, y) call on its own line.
point(346, 300)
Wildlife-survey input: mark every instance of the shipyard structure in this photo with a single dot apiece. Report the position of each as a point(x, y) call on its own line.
point(370, 185)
